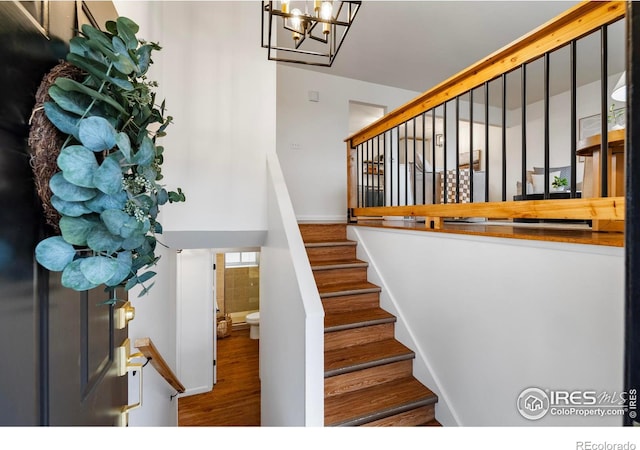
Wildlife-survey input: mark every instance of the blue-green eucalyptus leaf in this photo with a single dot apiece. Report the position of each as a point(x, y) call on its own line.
point(91, 65)
point(153, 211)
point(72, 85)
point(62, 120)
point(122, 84)
point(101, 240)
point(78, 165)
point(97, 134)
point(131, 283)
point(71, 209)
point(73, 278)
point(118, 45)
point(146, 153)
point(73, 102)
point(78, 46)
point(75, 230)
point(146, 276)
point(124, 144)
point(111, 27)
point(98, 269)
point(133, 242)
point(157, 228)
point(144, 226)
point(146, 289)
point(127, 30)
point(54, 253)
point(144, 58)
point(148, 172)
point(119, 223)
point(124, 261)
point(163, 196)
point(103, 201)
point(124, 64)
point(108, 177)
point(94, 34)
point(68, 191)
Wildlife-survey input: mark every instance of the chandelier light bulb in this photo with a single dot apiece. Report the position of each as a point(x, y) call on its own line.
point(284, 6)
point(296, 23)
point(326, 11)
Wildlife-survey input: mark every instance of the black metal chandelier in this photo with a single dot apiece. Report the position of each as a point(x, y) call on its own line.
point(311, 35)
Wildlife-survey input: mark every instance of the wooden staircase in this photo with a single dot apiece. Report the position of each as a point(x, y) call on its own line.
point(368, 373)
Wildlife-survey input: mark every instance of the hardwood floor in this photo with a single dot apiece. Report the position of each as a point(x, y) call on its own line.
point(235, 399)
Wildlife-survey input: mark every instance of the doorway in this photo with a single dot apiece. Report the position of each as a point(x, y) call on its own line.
point(237, 285)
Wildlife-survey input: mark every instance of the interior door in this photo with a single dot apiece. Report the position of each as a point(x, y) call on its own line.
point(58, 345)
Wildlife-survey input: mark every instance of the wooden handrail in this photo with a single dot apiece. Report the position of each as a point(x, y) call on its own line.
point(606, 208)
point(146, 347)
point(574, 23)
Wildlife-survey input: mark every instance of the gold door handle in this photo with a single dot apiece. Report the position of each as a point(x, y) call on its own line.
point(123, 315)
point(124, 364)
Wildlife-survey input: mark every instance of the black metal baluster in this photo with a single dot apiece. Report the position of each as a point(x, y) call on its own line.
point(546, 125)
point(604, 122)
point(573, 131)
point(369, 168)
point(444, 151)
point(504, 140)
point(486, 141)
point(378, 170)
point(359, 175)
point(433, 156)
point(424, 161)
point(398, 147)
point(458, 149)
point(385, 166)
point(523, 167)
point(406, 165)
point(471, 146)
point(413, 171)
point(391, 160)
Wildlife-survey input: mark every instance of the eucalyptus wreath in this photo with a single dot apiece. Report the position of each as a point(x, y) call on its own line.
point(107, 190)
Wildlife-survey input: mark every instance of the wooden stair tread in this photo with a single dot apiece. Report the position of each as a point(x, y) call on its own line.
point(325, 243)
point(383, 400)
point(338, 264)
point(356, 318)
point(336, 290)
point(362, 356)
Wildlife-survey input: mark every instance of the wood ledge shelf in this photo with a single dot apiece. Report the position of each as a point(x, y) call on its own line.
point(146, 347)
point(539, 232)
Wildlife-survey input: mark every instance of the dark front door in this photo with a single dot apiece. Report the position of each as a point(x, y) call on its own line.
point(57, 346)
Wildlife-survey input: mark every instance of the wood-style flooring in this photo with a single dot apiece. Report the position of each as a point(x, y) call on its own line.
point(235, 398)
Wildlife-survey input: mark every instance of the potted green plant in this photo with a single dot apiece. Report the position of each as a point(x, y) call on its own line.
point(615, 117)
point(559, 183)
point(106, 182)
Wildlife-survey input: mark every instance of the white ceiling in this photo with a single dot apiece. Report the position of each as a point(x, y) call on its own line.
point(417, 44)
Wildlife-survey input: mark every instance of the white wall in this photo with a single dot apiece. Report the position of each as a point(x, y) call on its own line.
point(195, 317)
point(310, 136)
point(215, 79)
point(155, 318)
point(220, 89)
point(489, 317)
point(291, 319)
